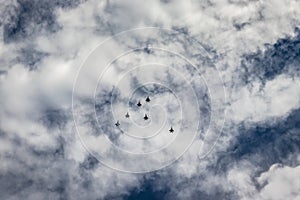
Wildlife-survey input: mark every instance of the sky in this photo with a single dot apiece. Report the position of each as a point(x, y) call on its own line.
point(224, 74)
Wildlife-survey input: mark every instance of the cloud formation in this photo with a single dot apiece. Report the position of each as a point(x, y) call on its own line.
point(253, 44)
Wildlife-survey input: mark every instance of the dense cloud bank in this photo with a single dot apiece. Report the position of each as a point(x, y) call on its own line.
point(255, 45)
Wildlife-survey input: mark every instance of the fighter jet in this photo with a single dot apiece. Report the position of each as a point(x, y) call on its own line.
point(127, 115)
point(146, 117)
point(171, 130)
point(139, 104)
point(148, 49)
point(148, 99)
point(117, 124)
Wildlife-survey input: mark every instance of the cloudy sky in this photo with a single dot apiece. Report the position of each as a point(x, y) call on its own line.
point(224, 74)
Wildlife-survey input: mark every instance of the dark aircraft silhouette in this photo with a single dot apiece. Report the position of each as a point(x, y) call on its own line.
point(148, 99)
point(171, 130)
point(139, 104)
point(146, 117)
point(148, 49)
point(117, 124)
point(127, 115)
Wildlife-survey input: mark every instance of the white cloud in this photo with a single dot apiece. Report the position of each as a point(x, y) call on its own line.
point(258, 103)
point(280, 182)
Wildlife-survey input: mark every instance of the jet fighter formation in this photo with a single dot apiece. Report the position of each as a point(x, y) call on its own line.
point(146, 117)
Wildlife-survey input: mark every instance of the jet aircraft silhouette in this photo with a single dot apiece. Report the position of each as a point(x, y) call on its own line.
point(146, 117)
point(139, 104)
point(148, 99)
